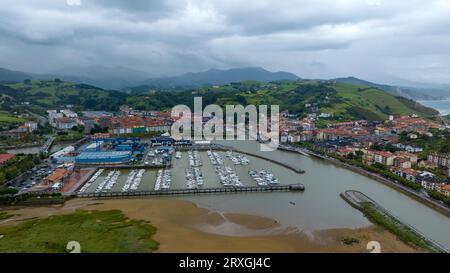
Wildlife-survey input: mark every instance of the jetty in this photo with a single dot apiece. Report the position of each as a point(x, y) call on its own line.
point(359, 201)
point(172, 192)
point(234, 149)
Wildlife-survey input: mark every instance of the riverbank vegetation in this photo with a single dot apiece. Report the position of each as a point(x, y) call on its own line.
point(11, 199)
point(439, 196)
point(379, 169)
point(5, 215)
point(96, 231)
point(401, 231)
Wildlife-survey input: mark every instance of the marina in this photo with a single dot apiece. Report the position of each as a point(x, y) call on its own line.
point(237, 159)
point(163, 180)
point(136, 180)
point(228, 177)
point(194, 178)
point(108, 182)
point(194, 158)
point(198, 169)
point(264, 178)
point(91, 180)
point(109, 185)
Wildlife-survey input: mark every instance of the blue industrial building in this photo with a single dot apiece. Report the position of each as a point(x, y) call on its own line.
point(110, 151)
point(162, 140)
point(164, 150)
point(110, 157)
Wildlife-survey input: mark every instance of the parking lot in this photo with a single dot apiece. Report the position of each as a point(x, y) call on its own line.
point(32, 177)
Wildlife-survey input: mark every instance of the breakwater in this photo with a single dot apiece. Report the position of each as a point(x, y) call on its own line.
point(360, 201)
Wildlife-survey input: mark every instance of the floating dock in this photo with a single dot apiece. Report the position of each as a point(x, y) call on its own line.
point(291, 187)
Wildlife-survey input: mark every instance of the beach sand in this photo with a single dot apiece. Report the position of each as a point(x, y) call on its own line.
point(184, 227)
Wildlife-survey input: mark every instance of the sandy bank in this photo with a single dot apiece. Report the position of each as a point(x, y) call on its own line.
point(184, 227)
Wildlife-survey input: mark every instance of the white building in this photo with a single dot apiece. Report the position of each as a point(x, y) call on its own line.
point(69, 113)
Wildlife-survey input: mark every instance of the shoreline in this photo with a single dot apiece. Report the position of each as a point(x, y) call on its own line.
point(183, 226)
point(400, 188)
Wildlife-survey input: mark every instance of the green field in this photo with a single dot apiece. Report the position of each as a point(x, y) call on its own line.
point(7, 118)
point(96, 231)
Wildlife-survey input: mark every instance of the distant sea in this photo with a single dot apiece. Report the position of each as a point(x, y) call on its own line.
point(443, 106)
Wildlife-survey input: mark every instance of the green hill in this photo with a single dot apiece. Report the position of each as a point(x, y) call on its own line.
point(301, 97)
point(345, 101)
point(51, 94)
point(373, 103)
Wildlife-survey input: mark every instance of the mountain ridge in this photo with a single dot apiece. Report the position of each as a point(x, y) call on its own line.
point(216, 77)
point(131, 80)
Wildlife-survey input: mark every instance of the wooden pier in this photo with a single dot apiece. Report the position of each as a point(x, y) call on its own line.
point(291, 187)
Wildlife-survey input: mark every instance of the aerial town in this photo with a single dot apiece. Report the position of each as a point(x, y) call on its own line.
point(391, 146)
point(141, 139)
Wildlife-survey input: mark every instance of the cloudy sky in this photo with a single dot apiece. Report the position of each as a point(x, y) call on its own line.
point(380, 40)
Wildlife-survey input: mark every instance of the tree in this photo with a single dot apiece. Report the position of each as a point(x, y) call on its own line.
point(379, 166)
point(359, 154)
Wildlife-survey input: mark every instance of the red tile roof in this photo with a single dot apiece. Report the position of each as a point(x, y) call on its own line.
point(5, 157)
point(56, 176)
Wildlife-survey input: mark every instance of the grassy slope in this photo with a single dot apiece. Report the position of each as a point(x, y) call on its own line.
point(378, 102)
point(348, 101)
point(52, 94)
point(96, 231)
point(7, 118)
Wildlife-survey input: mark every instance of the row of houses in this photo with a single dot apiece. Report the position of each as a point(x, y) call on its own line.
point(399, 159)
point(439, 160)
point(412, 123)
point(125, 124)
point(426, 179)
point(21, 131)
point(136, 124)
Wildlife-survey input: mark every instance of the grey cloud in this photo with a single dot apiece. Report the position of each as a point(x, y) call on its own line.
point(313, 38)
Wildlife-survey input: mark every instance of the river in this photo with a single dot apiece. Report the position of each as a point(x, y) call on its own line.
point(35, 150)
point(320, 206)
